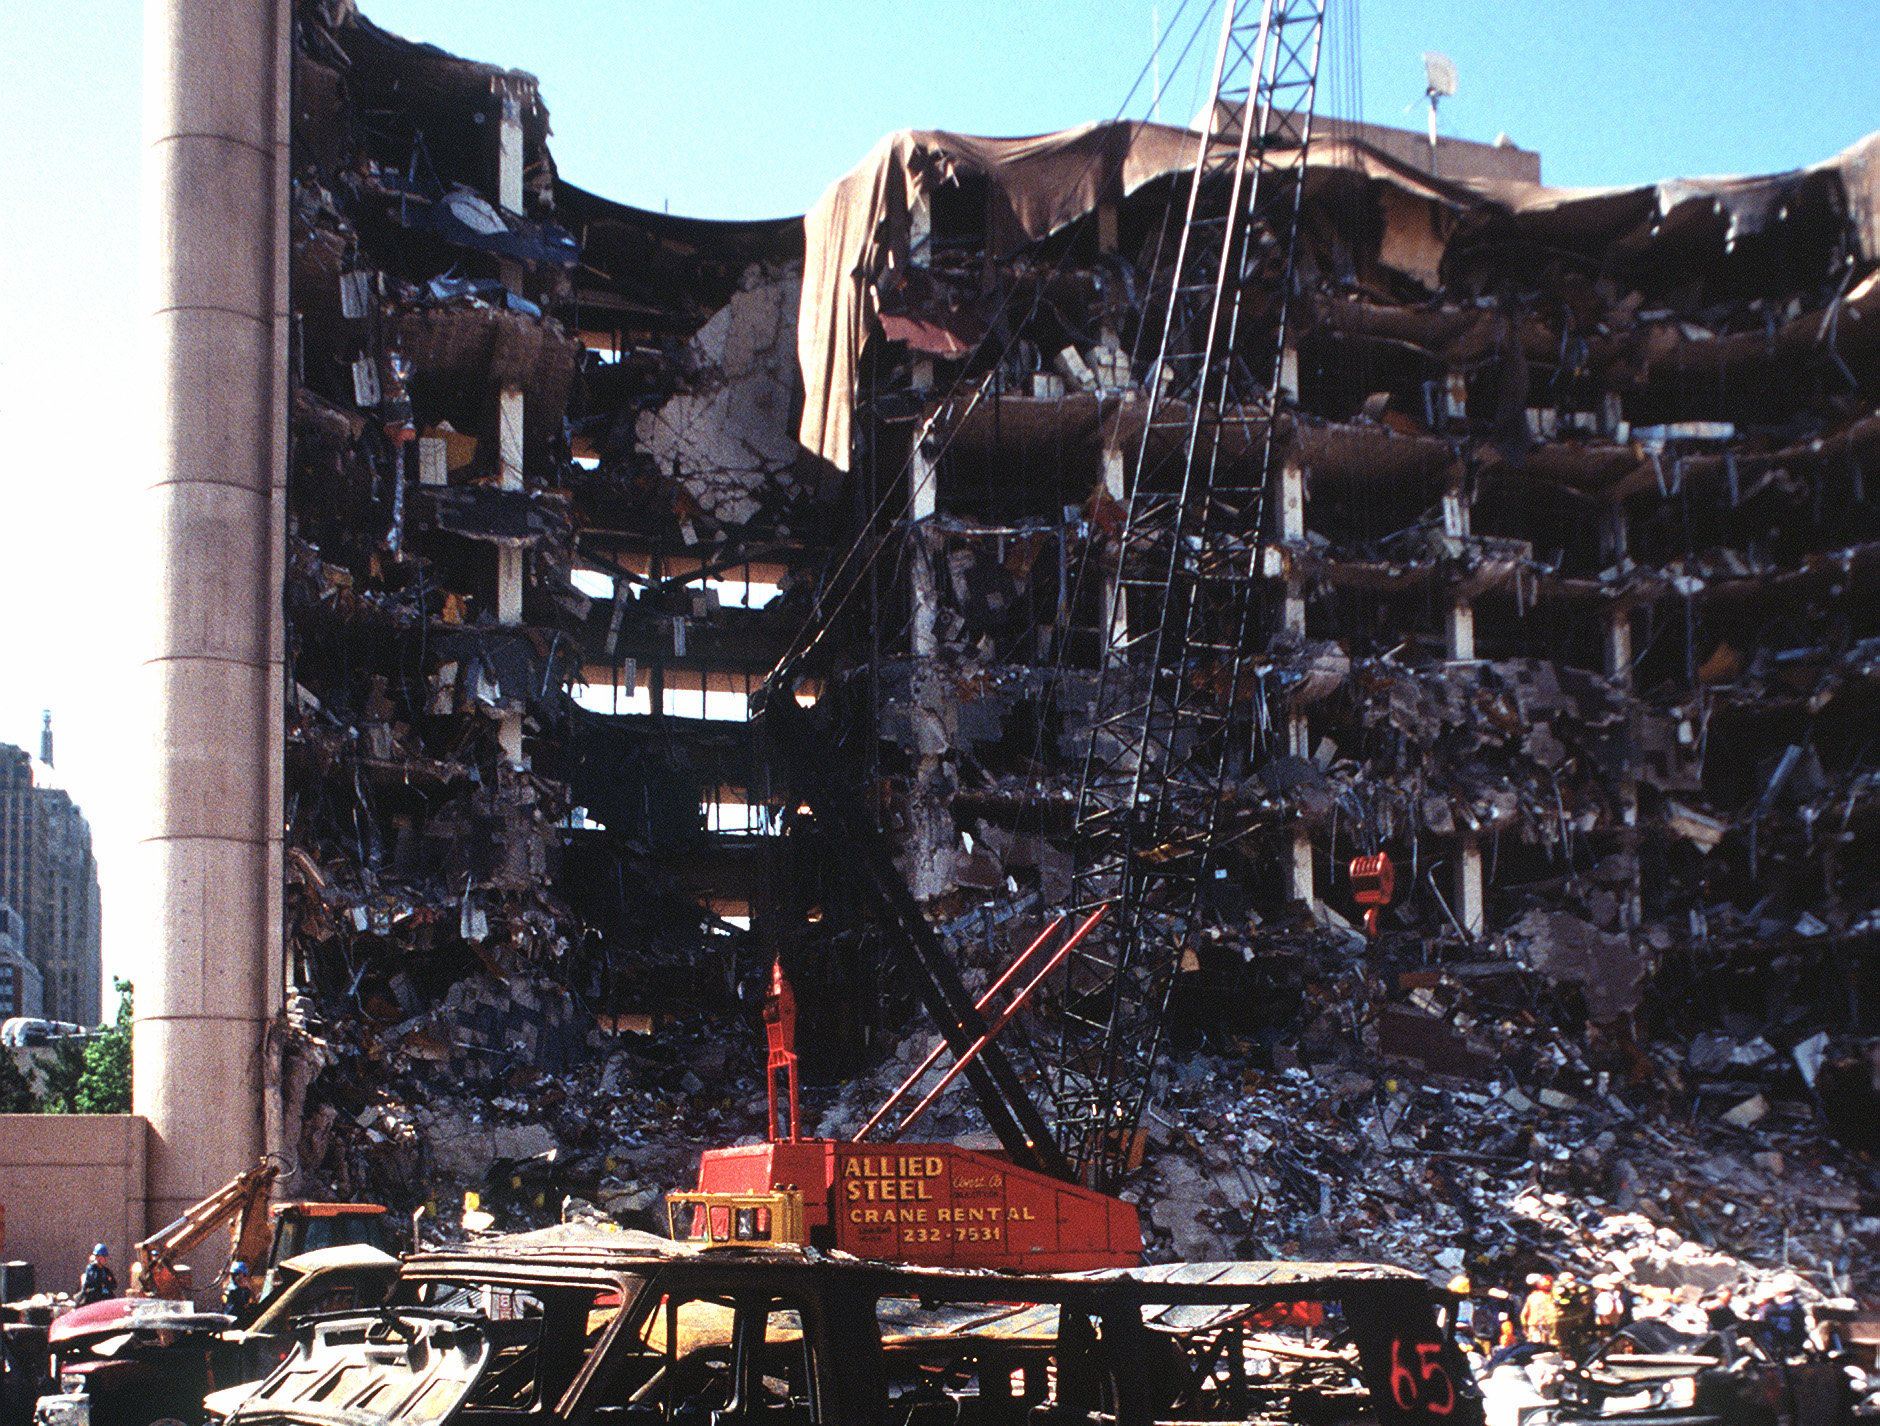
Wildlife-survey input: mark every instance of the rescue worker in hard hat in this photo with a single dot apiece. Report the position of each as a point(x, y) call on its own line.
point(1573, 1314)
point(238, 1298)
point(98, 1281)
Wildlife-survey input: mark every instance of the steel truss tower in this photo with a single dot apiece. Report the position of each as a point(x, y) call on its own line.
point(1176, 710)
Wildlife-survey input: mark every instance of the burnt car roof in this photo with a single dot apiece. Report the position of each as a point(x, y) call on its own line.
point(573, 1249)
point(97, 1320)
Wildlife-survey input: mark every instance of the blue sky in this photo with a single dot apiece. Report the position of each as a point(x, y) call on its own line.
point(748, 108)
point(739, 108)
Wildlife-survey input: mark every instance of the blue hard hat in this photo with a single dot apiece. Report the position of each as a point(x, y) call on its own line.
point(101, 1251)
point(238, 1269)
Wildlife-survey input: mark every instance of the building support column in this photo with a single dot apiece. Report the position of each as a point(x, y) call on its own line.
point(1115, 605)
point(509, 409)
point(1115, 599)
point(1471, 908)
point(923, 592)
point(1459, 639)
point(1292, 534)
point(509, 404)
point(208, 871)
point(1618, 649)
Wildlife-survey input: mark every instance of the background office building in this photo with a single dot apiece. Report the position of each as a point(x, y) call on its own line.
point(50, 878)
point(21, 985)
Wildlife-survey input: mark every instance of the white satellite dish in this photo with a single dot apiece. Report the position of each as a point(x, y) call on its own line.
point(1439, 75)
point(1440, 72)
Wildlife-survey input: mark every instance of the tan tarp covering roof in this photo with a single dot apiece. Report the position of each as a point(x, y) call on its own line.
point(1750, 202)
point(858, 229)
point(1859, 167)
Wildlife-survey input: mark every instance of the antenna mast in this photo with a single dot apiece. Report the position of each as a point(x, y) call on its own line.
point(1439, 82)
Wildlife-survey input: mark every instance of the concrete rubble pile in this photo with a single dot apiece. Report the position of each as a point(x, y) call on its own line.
point(1500, 1175)
point(1349, 1151)
point(1580, 534)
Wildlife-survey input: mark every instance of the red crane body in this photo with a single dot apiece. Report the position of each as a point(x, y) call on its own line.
point(937, 1204)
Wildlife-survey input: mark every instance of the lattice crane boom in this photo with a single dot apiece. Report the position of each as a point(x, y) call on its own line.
point(1170, 723)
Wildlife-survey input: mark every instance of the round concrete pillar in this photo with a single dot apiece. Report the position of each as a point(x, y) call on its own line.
point(215, 208)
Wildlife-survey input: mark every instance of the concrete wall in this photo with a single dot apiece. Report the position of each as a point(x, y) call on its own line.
point(68, 1181)
point(1454, 158)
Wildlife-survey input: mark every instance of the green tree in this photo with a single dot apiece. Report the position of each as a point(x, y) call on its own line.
point(16, 1091)
point(104, 1084)
point(62, 1074)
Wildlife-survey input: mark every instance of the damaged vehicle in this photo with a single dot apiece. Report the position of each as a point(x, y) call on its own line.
point(1650, 1372)
point(130, 1361)
point(585, 1325)
point(343, 1278)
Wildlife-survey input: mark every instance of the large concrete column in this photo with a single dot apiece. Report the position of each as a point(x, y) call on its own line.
point(923, 590)
point(1292, 534)
point(509, 404)
point(1115, 599)
point(1618, 649)
point(208, 971)
point(1459, 630)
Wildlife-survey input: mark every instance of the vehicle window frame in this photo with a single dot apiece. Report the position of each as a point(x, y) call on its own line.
point(752, 1299)
point(1060, 1355)
point(631, 1288)
point(816, 1354)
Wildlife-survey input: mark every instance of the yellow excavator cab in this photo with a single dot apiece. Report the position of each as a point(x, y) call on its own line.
point(260, 1233)
point(303, 1227)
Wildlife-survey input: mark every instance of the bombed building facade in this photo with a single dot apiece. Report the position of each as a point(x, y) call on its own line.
point(1553, 575)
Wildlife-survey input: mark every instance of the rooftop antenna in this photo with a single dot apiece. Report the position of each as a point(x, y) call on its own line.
point(1439, 75)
